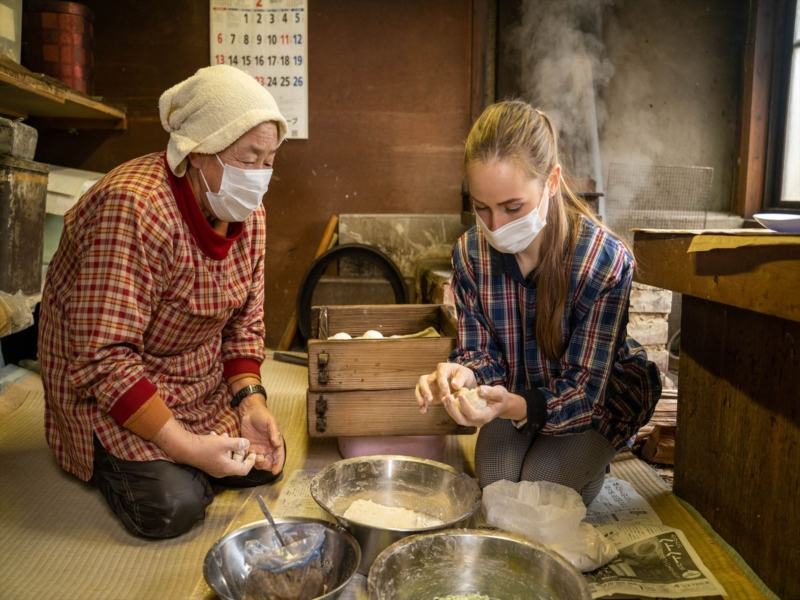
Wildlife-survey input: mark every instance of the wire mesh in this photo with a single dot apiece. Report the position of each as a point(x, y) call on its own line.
point(658, 196)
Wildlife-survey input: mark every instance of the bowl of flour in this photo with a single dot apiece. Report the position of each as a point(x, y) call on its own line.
point(473, 564)
point(381, 499)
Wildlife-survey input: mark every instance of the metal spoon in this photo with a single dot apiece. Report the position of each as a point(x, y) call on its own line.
point(267, 514)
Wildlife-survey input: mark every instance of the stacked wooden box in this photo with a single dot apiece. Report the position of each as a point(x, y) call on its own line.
point(365, 387)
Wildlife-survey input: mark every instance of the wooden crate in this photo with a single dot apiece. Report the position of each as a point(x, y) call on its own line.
point(365, 387)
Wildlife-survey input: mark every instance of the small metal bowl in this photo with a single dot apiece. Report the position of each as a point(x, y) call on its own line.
point(421, 485)
point(225, 569)
point(471, 561)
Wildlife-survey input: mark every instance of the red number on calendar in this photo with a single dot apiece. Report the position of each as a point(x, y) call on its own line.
point(219, 38)
point(220, 58)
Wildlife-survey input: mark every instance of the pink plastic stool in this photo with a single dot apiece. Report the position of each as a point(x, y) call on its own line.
point(421, 446)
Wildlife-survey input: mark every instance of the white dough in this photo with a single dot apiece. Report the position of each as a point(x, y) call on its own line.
point(372, 334)
point(342, 335)
point(377, 515)
point(473, 397)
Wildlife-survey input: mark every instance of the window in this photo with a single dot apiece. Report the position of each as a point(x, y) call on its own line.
point(782, 176)
point(790, 181)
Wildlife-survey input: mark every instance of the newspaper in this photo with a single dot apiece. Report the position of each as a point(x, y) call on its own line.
point(655, 561)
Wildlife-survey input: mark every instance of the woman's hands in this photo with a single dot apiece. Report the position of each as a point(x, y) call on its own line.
point(219, 456)
point(443, 384)
point(500, 403)
point(261, 429)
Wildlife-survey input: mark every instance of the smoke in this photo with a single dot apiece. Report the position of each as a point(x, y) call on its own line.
point(563, 72)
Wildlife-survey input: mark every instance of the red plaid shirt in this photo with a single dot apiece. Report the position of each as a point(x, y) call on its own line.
point(143, 296)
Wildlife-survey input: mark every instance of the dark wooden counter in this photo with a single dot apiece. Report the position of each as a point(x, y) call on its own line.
point(738, 440)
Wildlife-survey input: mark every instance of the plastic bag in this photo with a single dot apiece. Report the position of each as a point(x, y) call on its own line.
point(550, 514)
point(285, 573)
point(16, 312)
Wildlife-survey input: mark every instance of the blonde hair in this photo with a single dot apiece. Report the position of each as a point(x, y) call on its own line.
point(514, 130)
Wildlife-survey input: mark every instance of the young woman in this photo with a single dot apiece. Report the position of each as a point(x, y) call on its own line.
point(542, 291)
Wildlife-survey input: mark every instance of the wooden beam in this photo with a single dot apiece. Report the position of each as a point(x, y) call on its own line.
point(758, 68)
point(482, 52)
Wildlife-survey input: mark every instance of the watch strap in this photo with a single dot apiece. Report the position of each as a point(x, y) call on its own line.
point(253, 388)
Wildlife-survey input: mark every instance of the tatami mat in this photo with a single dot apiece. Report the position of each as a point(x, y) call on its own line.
point(59, 540)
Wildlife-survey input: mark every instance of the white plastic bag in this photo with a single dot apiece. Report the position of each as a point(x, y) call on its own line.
point(550, 514)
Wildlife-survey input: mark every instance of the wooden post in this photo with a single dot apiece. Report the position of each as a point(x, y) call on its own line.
point(750, 180)
point(325, 243)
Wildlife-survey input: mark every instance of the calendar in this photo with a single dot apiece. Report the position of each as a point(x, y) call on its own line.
point(269, 40)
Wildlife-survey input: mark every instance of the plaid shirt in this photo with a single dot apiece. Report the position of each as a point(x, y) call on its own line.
point(143, 296)
point(603, 380)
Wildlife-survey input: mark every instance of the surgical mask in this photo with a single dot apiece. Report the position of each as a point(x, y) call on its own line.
point(514, 237)
point(240, 192)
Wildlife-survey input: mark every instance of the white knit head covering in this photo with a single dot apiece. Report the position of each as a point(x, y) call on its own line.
point(210, 110)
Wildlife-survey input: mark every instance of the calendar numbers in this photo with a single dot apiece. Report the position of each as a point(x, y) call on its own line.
point(268, 39)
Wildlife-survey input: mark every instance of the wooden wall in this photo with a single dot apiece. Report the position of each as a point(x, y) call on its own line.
point(389, 107)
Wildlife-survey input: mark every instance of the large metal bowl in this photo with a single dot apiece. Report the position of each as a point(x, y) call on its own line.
point(225, 569)
point(421, 485)
point(463, 561)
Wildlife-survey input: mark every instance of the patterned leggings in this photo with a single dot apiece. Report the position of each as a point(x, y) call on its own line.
point(578, 461)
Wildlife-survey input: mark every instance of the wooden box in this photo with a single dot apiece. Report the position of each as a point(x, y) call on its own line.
point(365, 387)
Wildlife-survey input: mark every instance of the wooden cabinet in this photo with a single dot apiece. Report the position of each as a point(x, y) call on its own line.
point(737, 452)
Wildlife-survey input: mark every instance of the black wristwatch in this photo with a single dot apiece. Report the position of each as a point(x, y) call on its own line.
point(254, 388)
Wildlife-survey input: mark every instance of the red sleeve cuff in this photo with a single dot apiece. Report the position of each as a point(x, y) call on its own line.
point(132, 400)
point(237, 366)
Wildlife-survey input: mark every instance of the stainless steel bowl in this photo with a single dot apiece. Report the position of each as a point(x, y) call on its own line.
point(225, 569)
point(417, 484)
point(496, 564)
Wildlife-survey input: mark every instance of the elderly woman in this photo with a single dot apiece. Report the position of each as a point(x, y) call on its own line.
point(151, 335)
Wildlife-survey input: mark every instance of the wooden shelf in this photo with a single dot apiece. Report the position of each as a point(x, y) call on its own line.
point(27, 94)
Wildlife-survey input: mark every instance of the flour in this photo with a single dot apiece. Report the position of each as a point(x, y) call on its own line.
point(463, 597)
point(377, 515)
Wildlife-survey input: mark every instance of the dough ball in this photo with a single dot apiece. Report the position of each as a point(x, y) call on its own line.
point(342, 335)
point(372, 335)
point(473, 397)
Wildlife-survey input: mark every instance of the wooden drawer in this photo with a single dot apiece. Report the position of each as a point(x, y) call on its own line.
point(382, 364)
point(361, 387)
point(376, 412)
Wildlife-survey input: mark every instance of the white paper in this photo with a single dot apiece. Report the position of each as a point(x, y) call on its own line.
point(618, 502)
point(655, 561)
point(269, 40)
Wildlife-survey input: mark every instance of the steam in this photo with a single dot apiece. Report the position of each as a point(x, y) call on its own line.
point(564, 71)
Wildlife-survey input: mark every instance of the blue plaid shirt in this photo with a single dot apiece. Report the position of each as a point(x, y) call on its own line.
point(602, 381)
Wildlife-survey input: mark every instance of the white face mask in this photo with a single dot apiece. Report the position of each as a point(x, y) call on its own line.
point(240, 192)
point(514, 237)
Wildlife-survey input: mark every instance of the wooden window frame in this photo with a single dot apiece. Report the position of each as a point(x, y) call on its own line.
point(778, 112)
point(767, 70)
